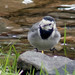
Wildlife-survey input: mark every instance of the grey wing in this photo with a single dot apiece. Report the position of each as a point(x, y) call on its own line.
point(57, 34)
point(34, 27)
point(33, 33)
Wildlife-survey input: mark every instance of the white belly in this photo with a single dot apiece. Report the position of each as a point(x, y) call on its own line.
point(42, 44)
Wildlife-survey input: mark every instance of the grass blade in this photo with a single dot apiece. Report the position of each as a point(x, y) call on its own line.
point(33, 72)
point(74, 72)
point(65, 69)
point(7, 59)
point(65, 53)
point(15, 60)
point(57, 73)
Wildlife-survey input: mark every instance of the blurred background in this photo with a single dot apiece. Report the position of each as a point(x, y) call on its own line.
point(17, 16)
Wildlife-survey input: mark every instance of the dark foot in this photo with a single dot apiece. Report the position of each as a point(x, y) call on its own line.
point(36, 49)
point(52, 49)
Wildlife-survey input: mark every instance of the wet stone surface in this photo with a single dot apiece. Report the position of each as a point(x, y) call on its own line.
point(16, 19)
point(48, 64)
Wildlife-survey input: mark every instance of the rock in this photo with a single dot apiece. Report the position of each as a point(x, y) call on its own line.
point(17, 31)
point(69, 39)
point(4, 34)
point(58, 47)
point(11, 6)
point(9, 27)
point(37, 59)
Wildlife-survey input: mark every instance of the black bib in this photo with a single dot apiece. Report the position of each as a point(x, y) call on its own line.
point(45, 33)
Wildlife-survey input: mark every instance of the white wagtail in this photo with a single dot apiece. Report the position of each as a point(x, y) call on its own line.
point(44, 35)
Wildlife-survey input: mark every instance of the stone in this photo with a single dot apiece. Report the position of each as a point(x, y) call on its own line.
point(69, 39)
point(11, 6)
point(38, 60)
point(58, 47)
point(4, 34)
point(17, 31)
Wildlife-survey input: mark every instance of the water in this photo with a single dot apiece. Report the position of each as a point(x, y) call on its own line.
point(15, 25)
point(67, 7)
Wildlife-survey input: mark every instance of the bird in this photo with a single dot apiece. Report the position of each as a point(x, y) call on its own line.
point(44, 35)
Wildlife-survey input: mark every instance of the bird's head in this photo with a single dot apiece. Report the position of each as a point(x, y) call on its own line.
point(46, 27)
point(47, 23)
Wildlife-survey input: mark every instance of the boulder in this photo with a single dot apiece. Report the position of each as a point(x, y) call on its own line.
point(47, 63)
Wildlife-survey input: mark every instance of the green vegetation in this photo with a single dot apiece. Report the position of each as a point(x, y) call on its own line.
point(57, 73)
point(65, 41)
point(5, 67)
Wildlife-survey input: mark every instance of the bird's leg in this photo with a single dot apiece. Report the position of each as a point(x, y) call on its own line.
point(52, 49)
point(36, 49)
point(42, 52)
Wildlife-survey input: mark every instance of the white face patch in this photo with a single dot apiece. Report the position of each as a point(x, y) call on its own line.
point(46, 24)
point(47, 27)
